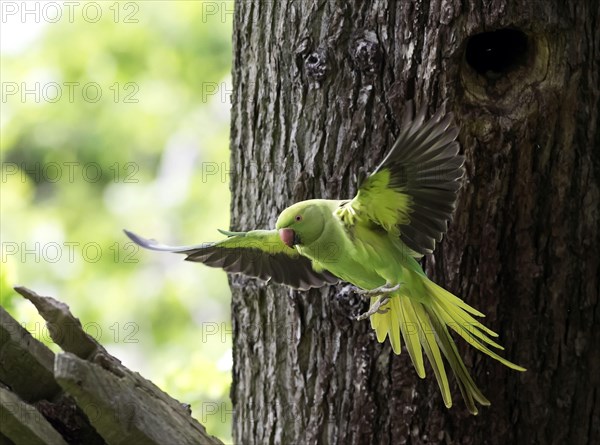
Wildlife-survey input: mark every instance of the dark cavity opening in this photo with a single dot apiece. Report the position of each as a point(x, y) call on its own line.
point(312, 59)
point(497, 52)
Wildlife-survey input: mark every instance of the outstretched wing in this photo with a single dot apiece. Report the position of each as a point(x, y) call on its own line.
point(258, 253)
point(413, 191)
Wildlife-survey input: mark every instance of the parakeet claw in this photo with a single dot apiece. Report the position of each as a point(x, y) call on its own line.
point(375, 308)
point(385, 289)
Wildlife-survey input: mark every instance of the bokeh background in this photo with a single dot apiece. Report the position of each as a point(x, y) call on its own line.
point(116, 115)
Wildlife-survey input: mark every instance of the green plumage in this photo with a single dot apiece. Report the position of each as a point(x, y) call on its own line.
point(374, 241)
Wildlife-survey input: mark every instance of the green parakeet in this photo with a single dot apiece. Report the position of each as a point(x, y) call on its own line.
point(373, 241)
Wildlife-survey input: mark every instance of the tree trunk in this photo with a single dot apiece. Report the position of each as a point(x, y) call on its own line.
point(319, 91)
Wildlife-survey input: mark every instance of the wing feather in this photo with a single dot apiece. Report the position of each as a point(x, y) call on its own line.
point(413, 191)
point(258, 253)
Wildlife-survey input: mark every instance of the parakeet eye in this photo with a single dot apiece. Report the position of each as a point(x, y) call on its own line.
point(298, 217)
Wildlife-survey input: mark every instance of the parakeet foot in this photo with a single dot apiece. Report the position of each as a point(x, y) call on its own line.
point(375, 308)
point(385, 289)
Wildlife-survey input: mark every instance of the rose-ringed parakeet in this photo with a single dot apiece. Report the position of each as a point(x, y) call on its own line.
point(373, 241)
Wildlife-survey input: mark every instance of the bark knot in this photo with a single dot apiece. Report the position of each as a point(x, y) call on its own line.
point(316, 64)
point(366, 52)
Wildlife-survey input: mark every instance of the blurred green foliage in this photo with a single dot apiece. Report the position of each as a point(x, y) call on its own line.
point(150, 154)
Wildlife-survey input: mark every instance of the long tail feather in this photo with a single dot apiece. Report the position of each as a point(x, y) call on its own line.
point(423, 322)
point(428, 340)
point(395, 327)
point(408, 327)
point(468, 389)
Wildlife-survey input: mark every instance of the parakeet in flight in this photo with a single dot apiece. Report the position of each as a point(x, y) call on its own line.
point(373, 241)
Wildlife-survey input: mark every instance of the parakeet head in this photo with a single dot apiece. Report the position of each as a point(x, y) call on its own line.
point(301, 223)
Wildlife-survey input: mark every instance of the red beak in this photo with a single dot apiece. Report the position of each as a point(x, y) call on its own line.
point(287, 236)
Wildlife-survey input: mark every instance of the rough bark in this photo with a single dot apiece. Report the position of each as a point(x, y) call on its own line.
point(319, 90)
